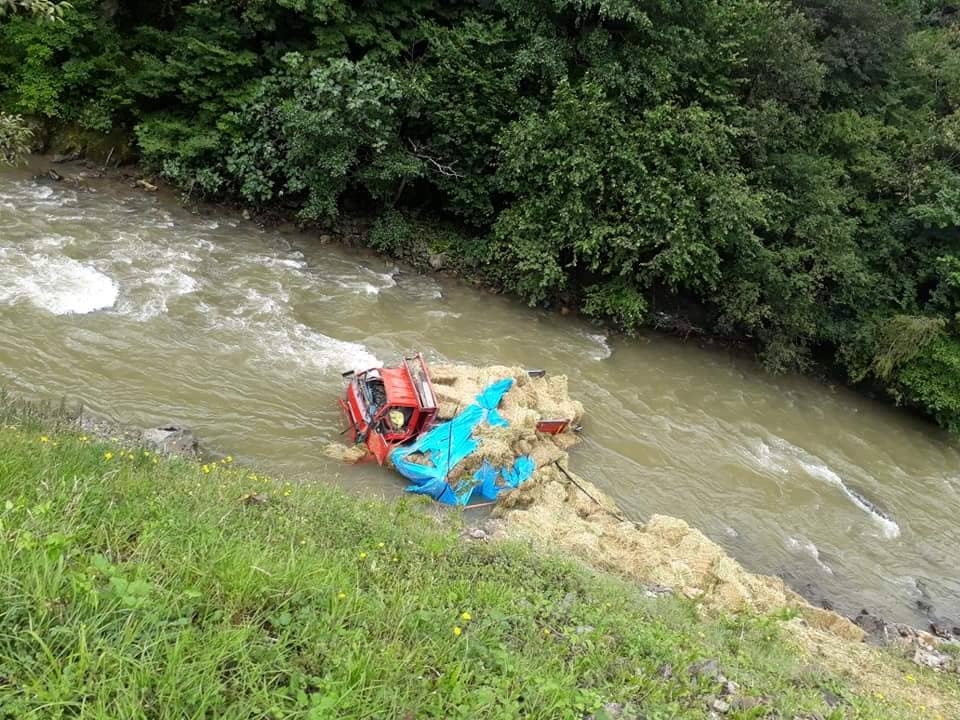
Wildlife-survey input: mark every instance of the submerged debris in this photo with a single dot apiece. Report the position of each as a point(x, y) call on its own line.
point(345, 453)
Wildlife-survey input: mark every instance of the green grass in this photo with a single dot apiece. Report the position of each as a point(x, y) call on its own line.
point(136, 587)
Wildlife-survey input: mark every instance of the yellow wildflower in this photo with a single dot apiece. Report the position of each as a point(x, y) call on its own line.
point(466, 617)
point(457, 631)
point(287, 493)
point(44, 438)
point(546, 631)
point(363, 556)
point(341, 596)
point(146, 453)
point(395, 559)
point(205, 468)
point(381, 545)
point(228, 459)
point(156, 462)
point(108, 455)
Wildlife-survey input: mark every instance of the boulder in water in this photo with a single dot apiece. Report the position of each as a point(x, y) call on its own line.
point(171, 440)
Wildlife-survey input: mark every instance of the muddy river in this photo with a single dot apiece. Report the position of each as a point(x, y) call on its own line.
point(150, 313)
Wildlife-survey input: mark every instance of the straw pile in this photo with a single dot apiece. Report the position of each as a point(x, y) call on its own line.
point(528, 401)
point(560, 511)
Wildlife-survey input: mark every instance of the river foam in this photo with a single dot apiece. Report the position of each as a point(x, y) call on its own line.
point(602, 347)
point(817, 469)
point(59, 285)
point(806, 547)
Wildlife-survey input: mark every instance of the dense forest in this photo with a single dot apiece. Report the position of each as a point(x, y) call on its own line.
point(786, 173)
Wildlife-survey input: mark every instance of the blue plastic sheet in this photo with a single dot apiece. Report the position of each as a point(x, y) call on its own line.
point(428, 461)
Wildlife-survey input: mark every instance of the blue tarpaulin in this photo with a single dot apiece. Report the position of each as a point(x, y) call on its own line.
point(428, 461)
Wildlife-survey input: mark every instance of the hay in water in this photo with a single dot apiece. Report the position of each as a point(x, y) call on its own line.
point(345, 453)
point(528, 401)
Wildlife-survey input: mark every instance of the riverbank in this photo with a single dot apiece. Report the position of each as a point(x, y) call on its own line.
point(205, 588)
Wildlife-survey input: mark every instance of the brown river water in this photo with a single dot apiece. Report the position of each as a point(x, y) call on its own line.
point(149, 313)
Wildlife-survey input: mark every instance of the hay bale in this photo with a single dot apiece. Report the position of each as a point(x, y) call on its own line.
point(528, 401)
point(557, 513)
point(345, 453)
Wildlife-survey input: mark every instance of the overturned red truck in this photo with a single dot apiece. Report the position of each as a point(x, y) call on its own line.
point(390, 406)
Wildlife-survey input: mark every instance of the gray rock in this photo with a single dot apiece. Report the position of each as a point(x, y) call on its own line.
point(475, 534)
point(65, 158)
point(657, 590)
point(721, 706)
point(873, 625)
point(171, 440)
point(830, 699)
point(747, 703)
point(706, 669)
point(255, 499)
point(943, 629)
point(933, 659)
point(569, 600)
point(437, 261)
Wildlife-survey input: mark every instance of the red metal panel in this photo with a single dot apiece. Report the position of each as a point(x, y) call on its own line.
point(553, 427)
point(378, 446)
point(399, 387)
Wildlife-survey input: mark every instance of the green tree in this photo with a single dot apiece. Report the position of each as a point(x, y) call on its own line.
point(15, 137)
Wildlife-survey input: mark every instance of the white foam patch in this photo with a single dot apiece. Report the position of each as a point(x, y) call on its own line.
point(781, 457)
point(369, 283)
point(603, 351)
point(293, 261)
point(805, 547)
point(153, 274)
point(765, 457)
point(270, 306)
point(57, 284)
point(299, 344)
point(149, 298)
point(261, 322)
point(818, 470)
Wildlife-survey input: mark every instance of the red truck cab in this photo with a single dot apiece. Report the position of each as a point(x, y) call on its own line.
point(389, 406)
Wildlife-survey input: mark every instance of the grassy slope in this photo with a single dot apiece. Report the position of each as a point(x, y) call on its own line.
point(137, 587)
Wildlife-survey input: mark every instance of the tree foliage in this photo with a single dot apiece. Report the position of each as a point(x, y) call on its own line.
point(15, 139)
point(46, 9)
point(784, 172)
